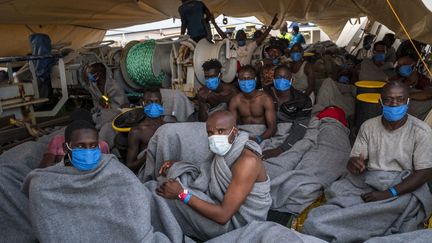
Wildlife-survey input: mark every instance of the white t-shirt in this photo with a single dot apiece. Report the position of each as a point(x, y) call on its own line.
point(244, 53)
point(406, 148)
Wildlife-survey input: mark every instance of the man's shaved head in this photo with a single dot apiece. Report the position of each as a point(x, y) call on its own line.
point(222, 123)
point(225, 116)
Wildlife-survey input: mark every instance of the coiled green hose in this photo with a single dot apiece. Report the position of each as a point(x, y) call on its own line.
point(139, 64)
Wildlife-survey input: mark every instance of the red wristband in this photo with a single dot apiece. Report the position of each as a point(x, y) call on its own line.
point(182, 196)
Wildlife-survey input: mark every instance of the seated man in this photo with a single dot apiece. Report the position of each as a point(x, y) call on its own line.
point(252, 106)
point(386, 191)
point(376, 69)
point(107, 97)
point(216, 95)
point(140, 135)
point(105, 92)
point(291, 106)
point(266, 77)
point(91, 194)
point(231, 192)
point(302, 71)
point(55, 151)
point(274, 52)
point(420, 86)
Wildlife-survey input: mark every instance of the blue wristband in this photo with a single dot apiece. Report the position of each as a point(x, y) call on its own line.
point(187, 198)
point(393, 191)
point(258, 139)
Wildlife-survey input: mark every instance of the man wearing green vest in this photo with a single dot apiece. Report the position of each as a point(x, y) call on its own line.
point(284, 33)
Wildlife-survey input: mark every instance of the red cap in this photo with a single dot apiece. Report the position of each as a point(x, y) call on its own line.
point(335, 113)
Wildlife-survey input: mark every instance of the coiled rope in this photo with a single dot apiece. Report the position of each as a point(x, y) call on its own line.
point(139, 64)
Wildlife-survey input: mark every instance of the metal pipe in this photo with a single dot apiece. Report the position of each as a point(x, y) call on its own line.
point(27, 58)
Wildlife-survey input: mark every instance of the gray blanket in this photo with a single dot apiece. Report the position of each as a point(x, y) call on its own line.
point(370, 71)
point(420, 109)
point(418, 236)
point(299, 176)
point(15, 164)
point(210, 184)
point(257, 232)
point(108, 204)
point(282, 132)
point(175, 141)
point(346, 218)
point(177, 104)
point(337, 94)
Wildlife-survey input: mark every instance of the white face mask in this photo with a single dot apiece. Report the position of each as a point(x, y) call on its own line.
point(219, 144)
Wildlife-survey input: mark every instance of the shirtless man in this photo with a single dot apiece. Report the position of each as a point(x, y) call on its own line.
point(304, 76)
point(215, 93)
point(252, 106)
point(247, 170)
point(140, 135)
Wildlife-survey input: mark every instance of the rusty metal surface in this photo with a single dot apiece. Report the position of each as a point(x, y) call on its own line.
point(11, 137)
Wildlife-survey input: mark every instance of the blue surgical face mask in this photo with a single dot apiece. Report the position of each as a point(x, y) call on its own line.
point(344, 79)
point(241, 42)
point(212, 83)
point(276, 61)
point(282, 84)
point(91, 77)
point(296, 56)
point(405, 70)
point(85, 158)
point(379, 57)
point(394, 113)
point(248, 85)
point(153, 110)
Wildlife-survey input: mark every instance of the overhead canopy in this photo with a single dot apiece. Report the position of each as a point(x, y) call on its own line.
point(84, 21)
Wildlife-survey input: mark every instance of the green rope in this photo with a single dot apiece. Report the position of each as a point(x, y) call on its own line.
point(139, 64)
point(134, 94)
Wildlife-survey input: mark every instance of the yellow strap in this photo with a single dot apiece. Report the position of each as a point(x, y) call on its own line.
point(409, 37)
